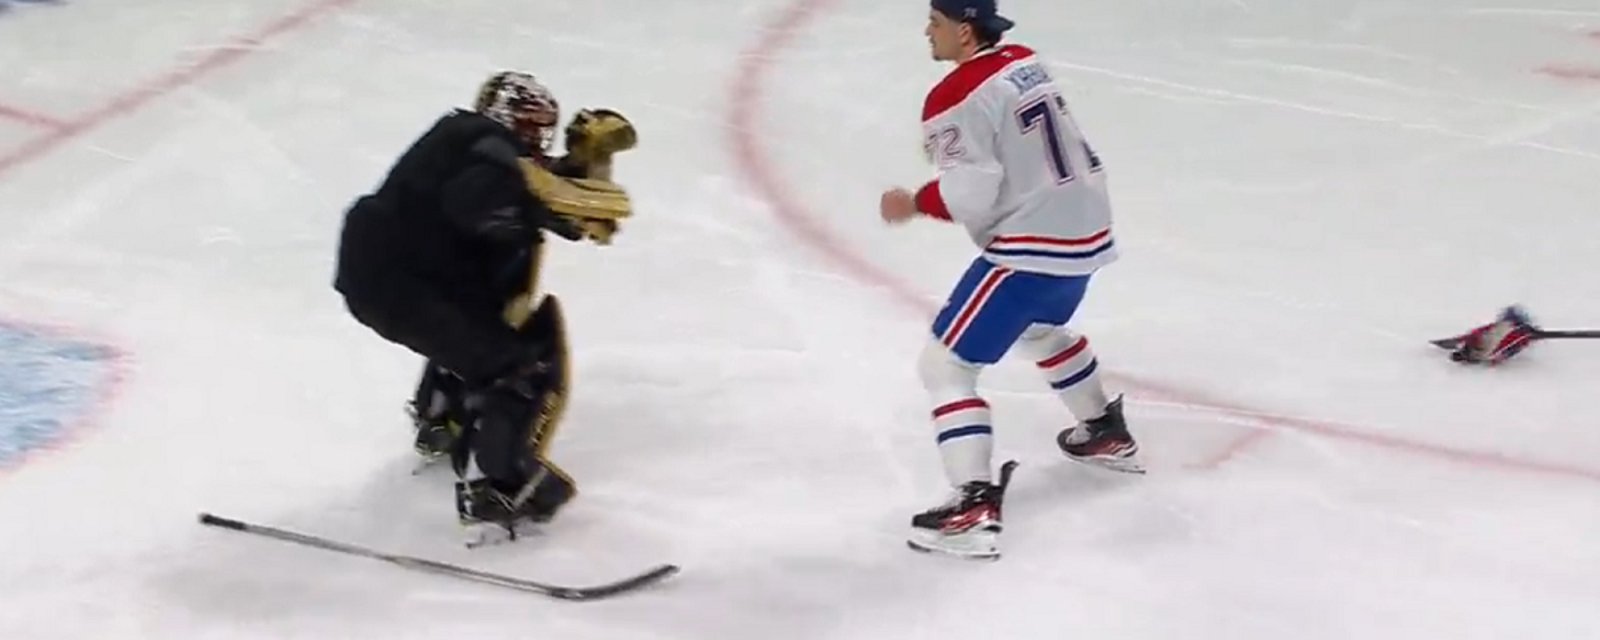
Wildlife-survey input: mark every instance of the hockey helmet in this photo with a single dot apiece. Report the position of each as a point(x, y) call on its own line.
point(519, 102)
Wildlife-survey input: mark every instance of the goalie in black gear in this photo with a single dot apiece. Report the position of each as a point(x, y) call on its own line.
point(444, 259)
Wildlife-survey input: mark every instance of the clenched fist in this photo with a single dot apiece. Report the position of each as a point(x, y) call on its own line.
point(897, 205)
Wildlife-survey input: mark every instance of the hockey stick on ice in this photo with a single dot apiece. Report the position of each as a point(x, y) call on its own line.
point(1517, 320)
point(1538, 334)
point(595, 592)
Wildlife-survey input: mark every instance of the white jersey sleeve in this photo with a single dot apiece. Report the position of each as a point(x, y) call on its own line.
point(964, 140)
point(1013, 167)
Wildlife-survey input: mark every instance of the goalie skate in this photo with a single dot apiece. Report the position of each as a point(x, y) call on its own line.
point(476, 535)
point(436, 436)
point(493, 515)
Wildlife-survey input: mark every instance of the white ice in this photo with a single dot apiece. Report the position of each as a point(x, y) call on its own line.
point(1306, 191)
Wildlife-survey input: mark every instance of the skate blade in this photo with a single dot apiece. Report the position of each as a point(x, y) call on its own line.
point(428, 463)
point(974, 545)
point(1129, 464)
point(476, 535)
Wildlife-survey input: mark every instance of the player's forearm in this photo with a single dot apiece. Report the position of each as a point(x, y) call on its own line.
point(965, 195)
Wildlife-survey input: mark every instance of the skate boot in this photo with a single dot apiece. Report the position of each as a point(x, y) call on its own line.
point(436, 413)
point(493, 512)
point(436, 436)
point(1103, 441)
point(968, 526)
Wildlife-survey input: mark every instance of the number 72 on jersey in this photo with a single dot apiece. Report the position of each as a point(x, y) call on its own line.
point(1046, 116)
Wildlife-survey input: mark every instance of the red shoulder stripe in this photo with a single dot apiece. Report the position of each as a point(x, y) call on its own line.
point(966, 78)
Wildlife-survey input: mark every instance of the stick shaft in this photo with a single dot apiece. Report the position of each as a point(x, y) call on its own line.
point(403, 561)
point(1578, 333)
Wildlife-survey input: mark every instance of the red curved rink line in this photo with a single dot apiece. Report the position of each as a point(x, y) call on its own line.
point(141, 95)
point(1577, 72)
point(30, 118)
point(1571, 72)
point(746, 101)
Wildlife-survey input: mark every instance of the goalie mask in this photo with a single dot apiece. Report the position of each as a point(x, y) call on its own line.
point(519, 102)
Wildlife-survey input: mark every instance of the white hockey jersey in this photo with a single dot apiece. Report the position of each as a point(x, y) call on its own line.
point(1013, 167)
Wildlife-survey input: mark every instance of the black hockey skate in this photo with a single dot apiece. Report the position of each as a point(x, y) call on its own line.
point(1103, 442)
point(969, 525)
point(436, 413)
point(493, 513)
point(436, 436)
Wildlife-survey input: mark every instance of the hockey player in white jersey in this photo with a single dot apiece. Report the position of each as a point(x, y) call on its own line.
point(1015, 171)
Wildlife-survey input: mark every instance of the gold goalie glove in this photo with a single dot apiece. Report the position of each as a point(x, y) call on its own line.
point(593, 203)
point(594, 136)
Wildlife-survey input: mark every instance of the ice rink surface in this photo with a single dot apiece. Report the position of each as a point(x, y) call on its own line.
point(1305, 192)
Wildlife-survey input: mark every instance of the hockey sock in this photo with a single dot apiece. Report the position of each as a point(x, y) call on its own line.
point(966, 439)
point(962, 424)
point(1070, 368)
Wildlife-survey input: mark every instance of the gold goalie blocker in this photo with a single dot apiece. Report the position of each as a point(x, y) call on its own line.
point(593, 203)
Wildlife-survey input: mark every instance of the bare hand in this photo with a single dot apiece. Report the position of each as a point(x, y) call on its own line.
point(897, 205)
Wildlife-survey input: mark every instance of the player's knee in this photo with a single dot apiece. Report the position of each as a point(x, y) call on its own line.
point(1044, 340)
point(1037, 332)
point(942, 370)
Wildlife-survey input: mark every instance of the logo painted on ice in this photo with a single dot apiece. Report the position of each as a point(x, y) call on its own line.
point(48, 383)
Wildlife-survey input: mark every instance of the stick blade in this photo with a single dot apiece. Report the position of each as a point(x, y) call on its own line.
point(619, 587)
point(1447, 343)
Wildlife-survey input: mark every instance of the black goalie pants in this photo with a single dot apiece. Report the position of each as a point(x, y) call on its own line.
point(508, 424)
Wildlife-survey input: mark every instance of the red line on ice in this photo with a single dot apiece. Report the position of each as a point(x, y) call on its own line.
point(1232, 450)
point(142, 94)
point(1571, 72)
point(748, 93)
point(30, 118)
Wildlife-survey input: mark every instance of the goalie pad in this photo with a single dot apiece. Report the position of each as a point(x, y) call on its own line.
point(548, 323)
point(515, 420)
